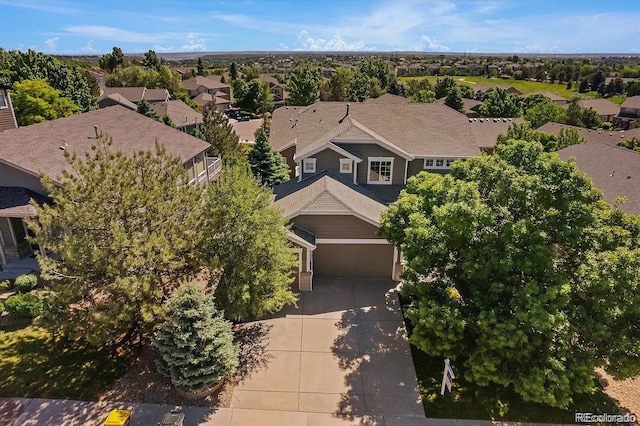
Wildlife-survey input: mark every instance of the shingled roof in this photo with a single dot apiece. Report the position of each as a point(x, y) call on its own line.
point(180, 113)
point(592, 136)
point(327, 193)
point(208, 82)
point(632, 102)
point(612, 169)
point(414, 128)
point(14, 202)
point(39, 148)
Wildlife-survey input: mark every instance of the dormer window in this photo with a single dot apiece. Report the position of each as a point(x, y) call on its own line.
point(346, 165)
point(309, 165)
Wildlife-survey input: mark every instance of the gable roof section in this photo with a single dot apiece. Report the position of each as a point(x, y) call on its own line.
point(632, 102)
point(613, 170)
point(601, 106)
point(486, 130)
point(37, 148)
point(208, 82)
point(118, 98)
point(411, 128)
point(180, 113)
point(156, 95)
point(132, 94)
point(14, 202)
point(326, 193)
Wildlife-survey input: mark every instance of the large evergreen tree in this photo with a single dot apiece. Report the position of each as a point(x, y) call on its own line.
point(454, 100)
point(520, 273)
point(267, 165)
point(303, 82)
point(195, 342)
point(218, 132)
point(247, 246)
point(124, 230)
point(144, 108)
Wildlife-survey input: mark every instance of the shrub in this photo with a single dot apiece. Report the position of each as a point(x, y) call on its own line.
point(24, 306)
point(5, 285)
point(195, 343)
point(1, 308)
point(26, 283)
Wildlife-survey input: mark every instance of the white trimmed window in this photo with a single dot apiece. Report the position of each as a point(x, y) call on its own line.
point(309, 165)
point(346, 165)
point(438, 163)
point(380, 170)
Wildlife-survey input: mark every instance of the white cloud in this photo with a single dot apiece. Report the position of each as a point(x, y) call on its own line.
point(335, 43)
point(193, 43)
point(432, 44)
point(51, 44)
point(282, 46)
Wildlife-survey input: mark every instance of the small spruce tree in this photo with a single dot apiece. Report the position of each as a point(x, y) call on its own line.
point(218, 132)
point(195, 343)
point(267, 165)
point(454, 100)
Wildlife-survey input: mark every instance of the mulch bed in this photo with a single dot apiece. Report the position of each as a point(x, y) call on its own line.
point(625, 393)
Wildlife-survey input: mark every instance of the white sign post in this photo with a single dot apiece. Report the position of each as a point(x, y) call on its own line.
point(447, 377)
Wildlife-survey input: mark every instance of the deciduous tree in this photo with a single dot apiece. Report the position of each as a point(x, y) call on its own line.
point(248, 243)
point(520, 273)
point(303, 82)
point(35, 101)
point(543, 113)
point(499, 103)
point(454, 100)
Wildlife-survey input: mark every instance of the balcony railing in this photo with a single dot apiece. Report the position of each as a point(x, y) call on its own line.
point(214, 164)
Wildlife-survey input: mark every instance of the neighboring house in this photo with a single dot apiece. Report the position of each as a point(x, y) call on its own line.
point(556, 99)
point(388, 98)
point(246, 130)
point(211, 85)
point(483, 88)
point(112, 99)
point(137, 94)
point(486, 130)
point(352, 160)
point(181, 114)
point(205, 99)
point(609, 137)
point(607, 110)
point(613, 170)
point(280, 96)
point(629, 116)
point(29, 151)
point(7, 114)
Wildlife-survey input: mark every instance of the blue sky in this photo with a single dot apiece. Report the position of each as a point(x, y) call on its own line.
point(496, 26)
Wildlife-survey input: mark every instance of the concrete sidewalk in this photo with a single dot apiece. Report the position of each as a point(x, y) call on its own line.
point(47, 412)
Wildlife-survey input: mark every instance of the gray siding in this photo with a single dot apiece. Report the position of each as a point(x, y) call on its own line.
point(337, 226)
point(365, 151)
point(288, 155)
point(415, 167)
point(10, 176)
point(328, 160)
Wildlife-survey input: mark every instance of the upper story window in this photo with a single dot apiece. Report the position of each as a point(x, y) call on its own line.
point(309, 165)
point(380, 170)
point(346, 165)
point(438, 163)
point(3, 99)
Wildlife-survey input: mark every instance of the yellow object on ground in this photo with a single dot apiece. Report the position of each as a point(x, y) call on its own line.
point(118, 418)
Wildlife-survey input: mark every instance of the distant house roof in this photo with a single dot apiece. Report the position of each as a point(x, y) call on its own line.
point(550, 95)
point(326, 193)
point(408, 129)
point(203, 99)
point(601, 106)
point(180, 113)
point(14, 202)
point(39, 148)
point(270, 79)
point(119, 99)
point(212, 82)
point(612, 169)
point(469, 104)
point(592, 136)
point(485, 87)
point(137, 94)
point(389, 99)
point(246, 129)
point(631, 102)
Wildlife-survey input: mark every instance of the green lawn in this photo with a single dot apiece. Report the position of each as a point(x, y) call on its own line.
point(522, 85)
point(34, 365)
point(467, 401)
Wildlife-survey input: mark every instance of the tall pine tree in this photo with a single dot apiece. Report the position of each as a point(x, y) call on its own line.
point(267, 165)
point(218, 132)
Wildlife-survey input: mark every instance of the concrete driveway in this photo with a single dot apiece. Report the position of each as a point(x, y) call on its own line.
point(343, 351)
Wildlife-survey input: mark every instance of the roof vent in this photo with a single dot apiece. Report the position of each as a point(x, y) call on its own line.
point(610, 134)
point(495, 120)
point(481, 120)
point(613, 173)
point(504, 120)
point(64, 145)
point(471, 120)
point(510, 119)
point(95, 129)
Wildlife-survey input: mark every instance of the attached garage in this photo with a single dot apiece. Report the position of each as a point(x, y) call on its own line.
point(353, 260)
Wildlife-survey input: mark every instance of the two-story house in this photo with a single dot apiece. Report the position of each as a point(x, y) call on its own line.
point(280, 95)
point(114, 95)
point(348, 162)
point(606, 109)
point(182, 115)
point(211, 85)
point(29, 151)
point(629, 116)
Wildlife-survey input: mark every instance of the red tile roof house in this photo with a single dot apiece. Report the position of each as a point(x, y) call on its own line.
point(26, 152)
point(352, 160)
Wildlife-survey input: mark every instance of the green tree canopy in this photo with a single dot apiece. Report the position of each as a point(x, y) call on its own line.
point(379, 69)
point(248, 242)
point(338, 84)
point(267, 165)
point(425, 97)
point(200, 67)
point(444, 86)
point(125, 229)
point(454, 100)
point(632, 144)
point(573, 112)
point(218, 132)
point(520, 273)
point(136, 76)
point(549, 142)
point(415, 86)
point(34, 101)
point(303, 82)
point(499, 103)
point(152, 60)
point(590, 118)
point(359, 88)
point(144, 108)
point(195, 342)
point(545, 112)
point(16, 66)
point(112, 61)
